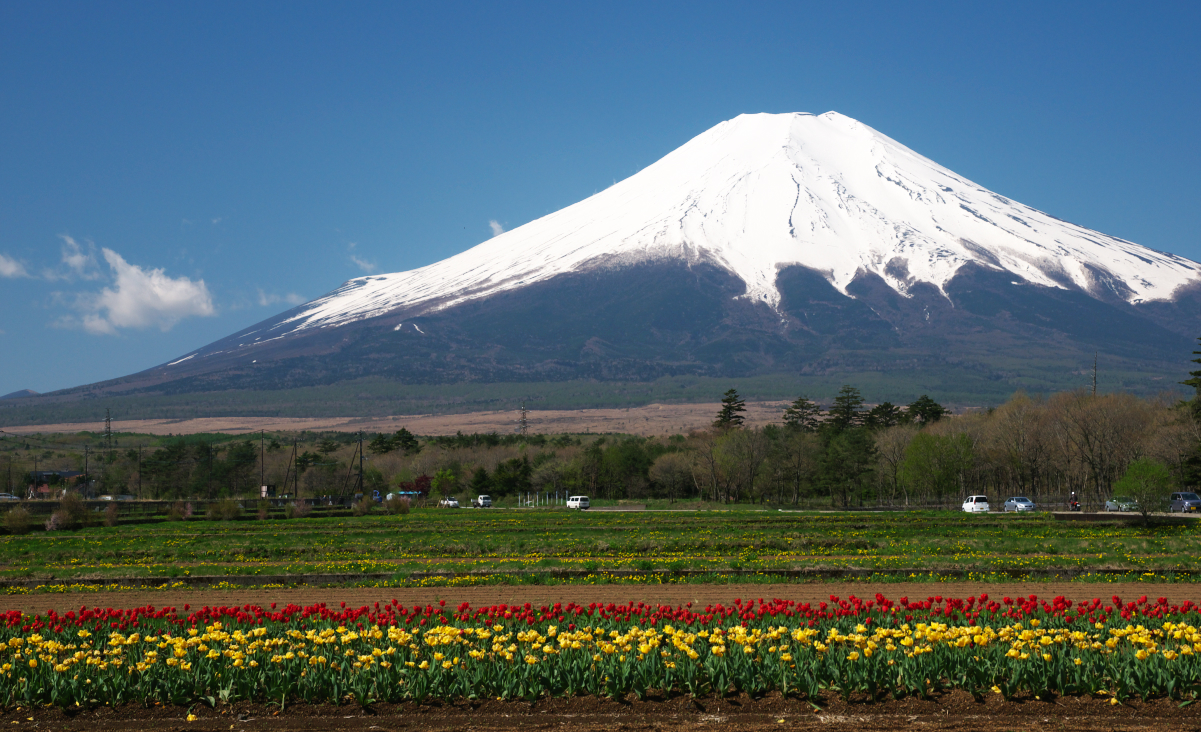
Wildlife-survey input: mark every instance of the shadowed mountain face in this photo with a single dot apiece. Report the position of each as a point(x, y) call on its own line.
point(642, 322)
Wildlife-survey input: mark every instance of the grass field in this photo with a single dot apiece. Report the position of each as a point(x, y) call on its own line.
point(507, 543)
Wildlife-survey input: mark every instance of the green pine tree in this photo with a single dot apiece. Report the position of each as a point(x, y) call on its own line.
point(732, 407)
point(885, 414)
point(926, 411)
point(846, 411)
point(803, 415)
point(1194, 379)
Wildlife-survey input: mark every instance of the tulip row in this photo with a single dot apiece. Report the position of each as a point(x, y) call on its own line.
point(394, 653)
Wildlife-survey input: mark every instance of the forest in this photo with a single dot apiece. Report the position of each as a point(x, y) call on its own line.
point(845, 455)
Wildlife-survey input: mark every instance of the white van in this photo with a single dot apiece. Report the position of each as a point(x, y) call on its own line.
point(976, 504)
point(580, 502)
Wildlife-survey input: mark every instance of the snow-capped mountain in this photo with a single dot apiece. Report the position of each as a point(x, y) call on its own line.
point(763, 191)
point(787, 243)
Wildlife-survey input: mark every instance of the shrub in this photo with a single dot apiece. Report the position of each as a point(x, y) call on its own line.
point(297, 509)
point(178, 511)
point(72, 513)
point(264, 510)
point(111, 514)
point(17, 520)
point(363, 507)
point(226, 510)
point(398, 505)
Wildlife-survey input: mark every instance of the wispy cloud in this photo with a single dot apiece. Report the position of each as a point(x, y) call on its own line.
point(363, 264)
point(78, 261)
point(10, 267)
point(496, 227)
point(266, 299)
point(139, 298)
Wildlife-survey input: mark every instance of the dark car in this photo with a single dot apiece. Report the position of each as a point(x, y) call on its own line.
point(1185, 502)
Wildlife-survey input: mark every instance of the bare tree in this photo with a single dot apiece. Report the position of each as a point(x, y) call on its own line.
point(673, 471)
point(891, 444)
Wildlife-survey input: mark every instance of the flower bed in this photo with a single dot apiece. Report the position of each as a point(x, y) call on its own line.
point(395, 653)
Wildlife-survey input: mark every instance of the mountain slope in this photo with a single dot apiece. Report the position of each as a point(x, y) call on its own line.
point(764, 191)
point(786, 243)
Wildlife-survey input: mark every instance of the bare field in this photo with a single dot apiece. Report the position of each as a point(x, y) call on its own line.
point(653, 419)
point(681, 594)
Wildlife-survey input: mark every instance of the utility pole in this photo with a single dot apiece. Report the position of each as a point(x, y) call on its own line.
point(262, 461)
point(1095, 373)
point(523, 424)
point(360, 461)
point(108, 443)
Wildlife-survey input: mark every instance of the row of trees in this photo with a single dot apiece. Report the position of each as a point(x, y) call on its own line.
point(849, 455)
point(844, 455)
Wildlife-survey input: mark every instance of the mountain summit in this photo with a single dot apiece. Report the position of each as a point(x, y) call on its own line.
point(766, 191)
point(771, 243)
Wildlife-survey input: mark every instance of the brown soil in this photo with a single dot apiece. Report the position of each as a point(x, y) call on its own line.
point(698, 595)
point(953, 711)
point(653, 419)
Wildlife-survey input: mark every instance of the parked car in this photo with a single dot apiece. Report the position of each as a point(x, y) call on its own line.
point(578, 502)
point(976, 504)
point(1185, 502)
point(450, 502)
point(482, 502)
point(1018, 503)
point(1121, 503)
point(8, 497)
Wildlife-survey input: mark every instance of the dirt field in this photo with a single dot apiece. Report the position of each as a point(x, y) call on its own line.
point(698, 595)
point(654, 419)
point(954, 711)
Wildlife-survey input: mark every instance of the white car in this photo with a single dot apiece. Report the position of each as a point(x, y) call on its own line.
point(578, 502)
point(1018, 503)
point(482, 502)
point(976, 504)
point(449, 503)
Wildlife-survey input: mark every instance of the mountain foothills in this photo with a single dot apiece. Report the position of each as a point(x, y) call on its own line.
point(793, 244)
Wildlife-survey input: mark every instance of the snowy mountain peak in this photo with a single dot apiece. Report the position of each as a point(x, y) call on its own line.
point(765, 191)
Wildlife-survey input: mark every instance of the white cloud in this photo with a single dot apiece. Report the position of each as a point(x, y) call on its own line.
point(79, 261)
point(10, 267)
point(141, 298)
point(497, 229)
point(363, 264)
point(266, 299)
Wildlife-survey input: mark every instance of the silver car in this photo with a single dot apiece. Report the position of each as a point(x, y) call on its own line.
point(1185, 503)
point(1019, 503)
point(1121, 503)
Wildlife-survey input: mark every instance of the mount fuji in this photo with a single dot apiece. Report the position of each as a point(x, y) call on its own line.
point(770, 244)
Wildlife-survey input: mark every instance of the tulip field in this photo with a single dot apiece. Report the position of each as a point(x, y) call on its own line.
point(853, 648)
point(550, 542)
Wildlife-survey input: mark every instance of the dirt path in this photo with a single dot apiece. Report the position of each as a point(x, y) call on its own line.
point(698, 595)
point(954, 711)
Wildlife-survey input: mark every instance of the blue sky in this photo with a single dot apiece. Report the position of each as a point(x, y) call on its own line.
point(172, 172)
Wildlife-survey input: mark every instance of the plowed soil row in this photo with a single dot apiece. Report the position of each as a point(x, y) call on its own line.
point(954, 711)
point(698, 595)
